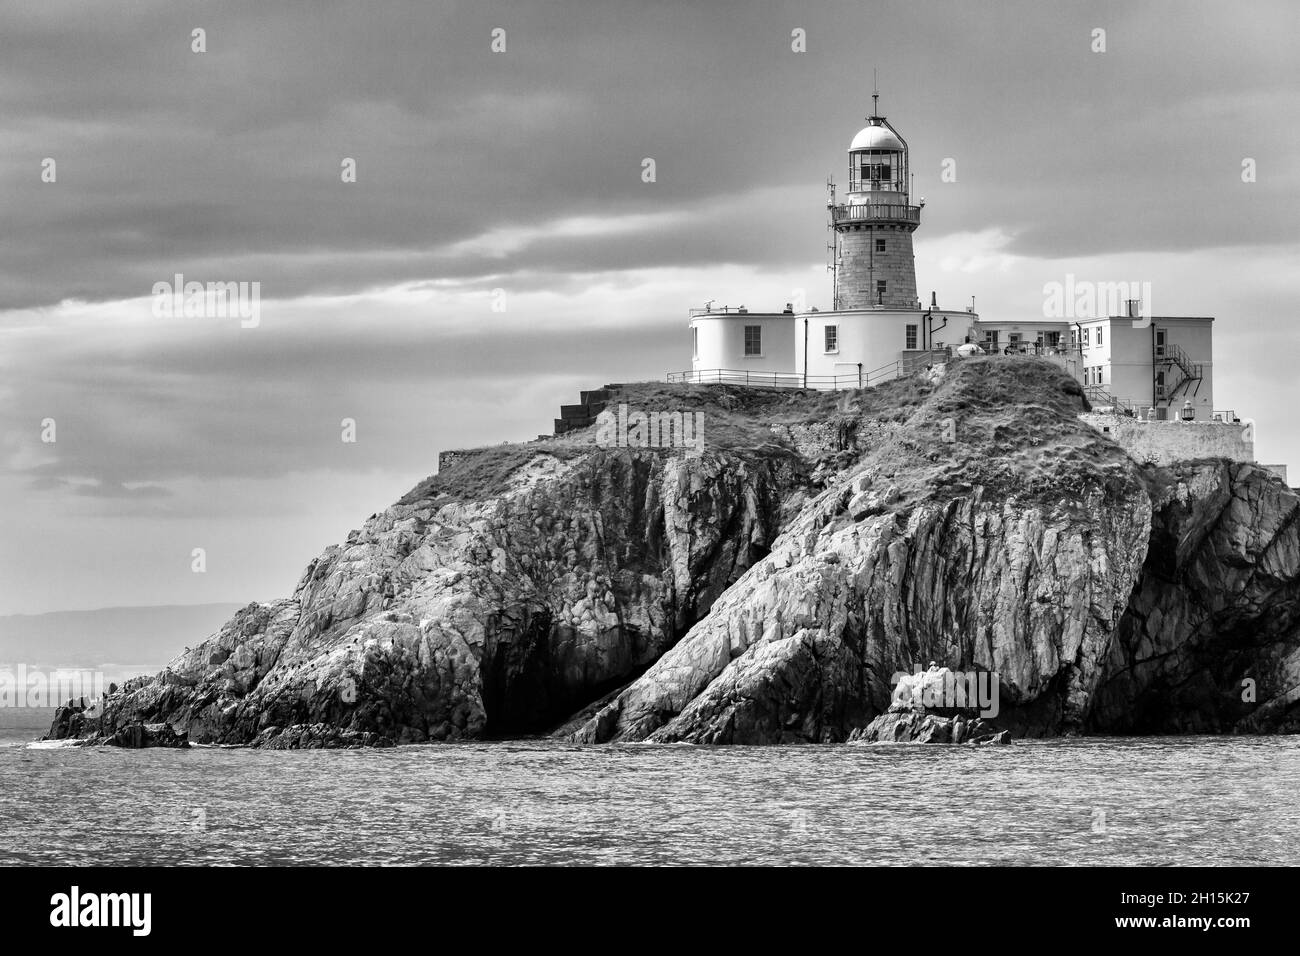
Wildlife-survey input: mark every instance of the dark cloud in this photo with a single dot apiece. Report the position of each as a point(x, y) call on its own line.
point(228, 162)
point(522, 171)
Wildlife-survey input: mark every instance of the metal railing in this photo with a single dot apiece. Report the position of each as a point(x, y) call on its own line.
point(894, 212)
point(1031, 348)
point(1100, 400)
point(719, 310)
point(865, 378)
point(734, 376)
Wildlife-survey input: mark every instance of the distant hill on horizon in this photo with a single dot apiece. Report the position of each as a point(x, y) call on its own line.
point(139, 639)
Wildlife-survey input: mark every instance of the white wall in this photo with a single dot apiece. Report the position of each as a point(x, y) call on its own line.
point(874, 337)
point(1196, 337)
point(721, 341)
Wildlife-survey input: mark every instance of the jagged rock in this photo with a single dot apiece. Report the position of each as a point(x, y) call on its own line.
point(140, 735)
point(760, 594)
point(317, 737)
point(80, 719)
point(1208, 642)
point(463, 616)
point(948, 693)
point(1021, 590)
point(69, 721)
point(910, 726)
point(1037, 582)
point(868, 501)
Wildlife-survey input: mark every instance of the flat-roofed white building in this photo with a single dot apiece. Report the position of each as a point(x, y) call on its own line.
point(1160, 362)
point(730, 344)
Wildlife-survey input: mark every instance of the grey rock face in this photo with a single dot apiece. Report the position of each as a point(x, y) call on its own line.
point(1141, 600)
point(441, 619)
point(1093, 618)
point(772, 589)
point(810, 637)
point(1208, 642)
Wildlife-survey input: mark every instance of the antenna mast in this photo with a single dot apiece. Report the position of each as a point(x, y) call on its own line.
point(830, 246)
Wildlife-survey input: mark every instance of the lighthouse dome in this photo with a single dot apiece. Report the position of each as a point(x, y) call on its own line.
point(876, 137)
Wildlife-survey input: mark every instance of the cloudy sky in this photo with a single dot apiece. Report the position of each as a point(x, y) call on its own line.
point(521, 171)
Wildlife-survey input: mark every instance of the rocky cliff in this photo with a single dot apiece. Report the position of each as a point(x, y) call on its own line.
point(769, 589)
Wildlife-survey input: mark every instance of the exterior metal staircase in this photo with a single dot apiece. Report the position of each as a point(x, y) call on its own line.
point(1180, 371)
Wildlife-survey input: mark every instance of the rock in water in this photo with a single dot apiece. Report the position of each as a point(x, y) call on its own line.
point(768, 590)
point(924, 728)
point(140, 735)
point(497, 599)
point(1029, 551)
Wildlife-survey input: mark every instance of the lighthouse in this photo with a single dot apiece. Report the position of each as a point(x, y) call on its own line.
point(873, 264)
point(876, 328)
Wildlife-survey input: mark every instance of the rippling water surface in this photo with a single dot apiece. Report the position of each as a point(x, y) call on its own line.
point(1199, 800)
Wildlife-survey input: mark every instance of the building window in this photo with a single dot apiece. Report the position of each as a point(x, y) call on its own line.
point(1160, 384)
point(880, 287)
point(910, 337)
point(695, 342)
point(1099, 331)
point(1085, 338)
point(880, 245)
point(832, 338)
point(753, 340)
point(1160, 341)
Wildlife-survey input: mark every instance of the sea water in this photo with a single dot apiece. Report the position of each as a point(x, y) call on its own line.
point(1167, 800)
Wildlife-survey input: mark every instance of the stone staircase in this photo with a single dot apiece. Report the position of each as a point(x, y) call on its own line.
point(583, 415)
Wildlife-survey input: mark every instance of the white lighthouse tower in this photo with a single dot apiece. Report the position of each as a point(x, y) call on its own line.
point(874, 265)
point(876, 328)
